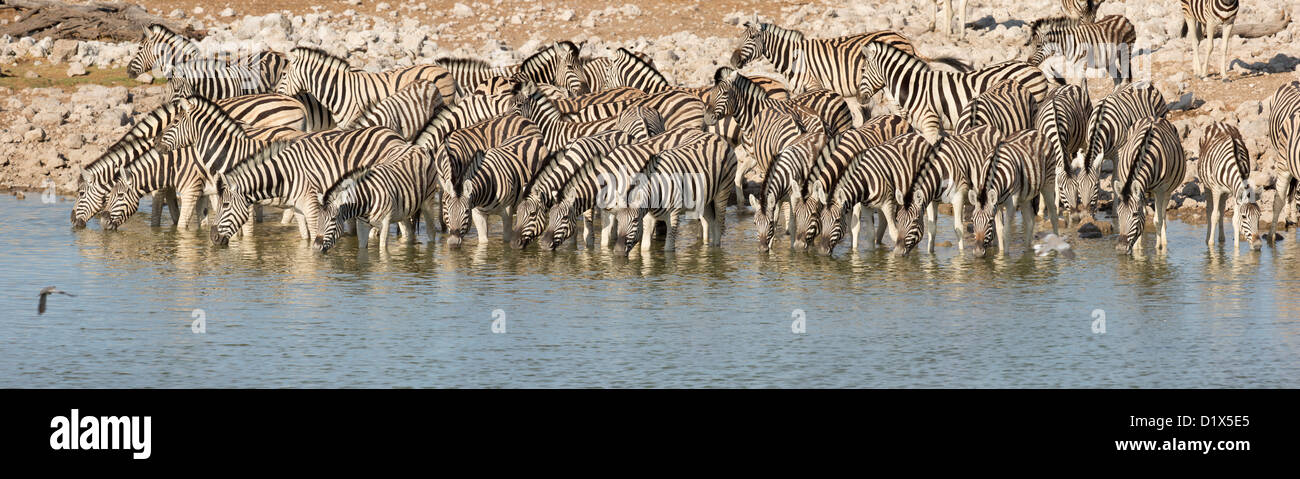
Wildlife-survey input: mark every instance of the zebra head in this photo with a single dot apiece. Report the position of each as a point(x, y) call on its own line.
point(751, 46)
point(832, 227)
point(530, 221)
point(1130, 210)
point(294, 80)
point(984, 203)
point(559, 223)
point(630, 220)
point(159, 50)
point(337, 205)
point(524, 97)
point(235, 209)
point(765, 212)
point(1248, 216)
point(123, 200)
point(873, 71)
point(183, 132)
point(91, 197)
point(456, 207)
point(806, 226)
point(1086, 187)
point(725, 99)
point(907, 219)
point(567, 69)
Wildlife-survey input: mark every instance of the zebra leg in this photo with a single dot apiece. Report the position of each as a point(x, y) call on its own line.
point(430, 221)
point(670, 237)
point(1000, 224)
point(647, 234)
point(867, 222)
point(287, 216)
point(185, 215)
point(155, 211)
point(1211, 212)
point(607, 228)
point(958, 197)
point(888, 212)
point(172, 206)
point(719, 222)
point(1223, 60)
point(383, 234)
point(480, 224)
point(363, 235)
point(879, 238)
point(408, 234)
point(1281, 196)
point(1028, 217)
point(1049, 204)
point(1236, 226)
point(507, 215)
point(303, 231)
point(787, 213)
point(1222, 207)
point(1196, 45)
point(1162, 203)
point(931, 223)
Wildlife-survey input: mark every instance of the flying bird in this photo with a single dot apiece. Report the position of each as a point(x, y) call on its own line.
point(1052, 242)
point(48, 290)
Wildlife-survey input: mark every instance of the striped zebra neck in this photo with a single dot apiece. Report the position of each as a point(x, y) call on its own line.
point(219, 135)
point(317, 65)
point(750, 98)
point(778, 47)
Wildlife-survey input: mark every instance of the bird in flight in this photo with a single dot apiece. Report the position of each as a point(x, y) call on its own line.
point(1052, 242)
point(48, 290)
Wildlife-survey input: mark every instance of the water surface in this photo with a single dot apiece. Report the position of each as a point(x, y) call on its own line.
point(280, 315)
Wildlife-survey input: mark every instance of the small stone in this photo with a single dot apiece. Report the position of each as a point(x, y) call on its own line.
point(461, 10)
point(382, 6)
point(31, 74)
point(227, 13)
point(566, 15)
point(1090, 231)
point(63, 50)
point(34, 135)
point(197, 11)
point(76, 69)
point(144, 78)
point(73, 141)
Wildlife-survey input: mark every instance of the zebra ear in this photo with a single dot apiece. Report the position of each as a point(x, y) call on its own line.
point(754, 203)
point(818, 192)
point(946, 187)
point(723, 73)
point(973, 196)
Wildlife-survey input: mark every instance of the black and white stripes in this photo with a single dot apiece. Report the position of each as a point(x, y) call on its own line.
point(1201, 17)
point(1224, 171)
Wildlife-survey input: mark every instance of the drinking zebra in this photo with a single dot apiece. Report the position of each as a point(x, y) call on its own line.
point(1224, 170)
point(493, 184)
point(692, 178)
point(783, 184)
point(1108, 127)
point(1006, 105)
point(1151, 166)
point(546, 186)
point(830, 165)
point(869, 183)
point(291, 173)
point(593, 187)
point(345, 91)
point(737, 96)
point(1107, 43)
point(944, 175)
point(1062, 120)
point(556, 132)
point(931, 99)
point(177, 171)
point(1015, 177)
point(1283, 123)
point(395, 191)
point(1201, 17)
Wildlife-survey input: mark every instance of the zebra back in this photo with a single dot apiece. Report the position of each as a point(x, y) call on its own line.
point(453, 158)
point(1111, 119)
point(848, 145)
point(1225, 162)
point(1151, 159)
point(1286, 106)
point(406, 112)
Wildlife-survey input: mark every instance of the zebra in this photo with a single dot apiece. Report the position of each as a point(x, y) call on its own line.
point(554, 65)
point(689, 178)
point(396, 191)
point(1201, 17)
point(641, 122)
point(1014, 177)
point(783, 184)
point(154, 171)
point(1106, 43)
point(494, 184)
point(933, 99)
point(219, 139)
point(1108, 127)
point(830, 165)
point(1224, 170)
point(544, 190)
point(291, 172)
point(678, 109)
point(592, 186)
point(946, 24)
point(178, 57)
point(1151, 163)
point(573, 108)
point(485, 103)
point(1282, 127)
point(868, 183)
point(1062, 121)
point(406, 111)
point(944, 175)
point(97, 177)
point(1084, 10)
point(592, 70)
point(1006, 105)
point(346, 91)
point(737, 96)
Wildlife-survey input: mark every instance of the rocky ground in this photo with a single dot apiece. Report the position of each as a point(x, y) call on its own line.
point(63, 102)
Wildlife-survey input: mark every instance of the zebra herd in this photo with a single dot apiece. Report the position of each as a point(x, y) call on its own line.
point(561, 140)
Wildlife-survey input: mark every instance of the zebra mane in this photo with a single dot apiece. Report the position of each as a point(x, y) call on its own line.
point(779, 32)
point(543, 107)
point(242, 167)
point(463, 64)
point(326, 60)
point(898, 55)
point(374, 114)
point(1050, 25)
point(625, 55)
point(540, 59)
point(206, 108)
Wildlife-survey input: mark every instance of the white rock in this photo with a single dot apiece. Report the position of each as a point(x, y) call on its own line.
point(76, 69)
point(144, 78)
point(227, 13)
point(566, 15)
point(461, 10)
point(197, 11)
